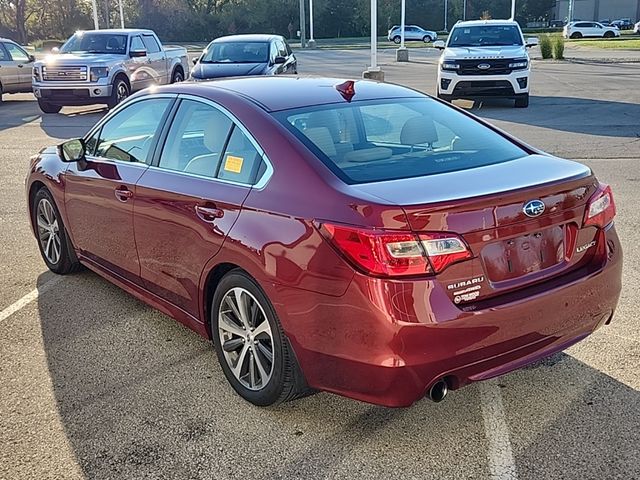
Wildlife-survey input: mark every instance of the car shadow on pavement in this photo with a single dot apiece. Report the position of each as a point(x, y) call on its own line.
point(69, 123)
point(140, 396)
point(577, 115)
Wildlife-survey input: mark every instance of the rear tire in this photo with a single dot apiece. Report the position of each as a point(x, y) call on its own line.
point(119, 92)
point(262, 369)
point(53, 241)
point(575, 35)
point(47, 107)
point(522, 101)
point(609, 34)
point(397, 40)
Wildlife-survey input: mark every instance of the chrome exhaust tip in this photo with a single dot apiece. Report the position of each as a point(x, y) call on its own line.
point(438, 391)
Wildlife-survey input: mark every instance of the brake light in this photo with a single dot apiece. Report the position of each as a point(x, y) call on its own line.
point(601, 208)
point(395, 254)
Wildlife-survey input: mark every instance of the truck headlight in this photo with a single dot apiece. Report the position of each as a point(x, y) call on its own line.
point(96, 73)
point(519, 64)
point(447, 65)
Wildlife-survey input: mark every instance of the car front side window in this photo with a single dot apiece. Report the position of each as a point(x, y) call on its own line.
point(129, 135)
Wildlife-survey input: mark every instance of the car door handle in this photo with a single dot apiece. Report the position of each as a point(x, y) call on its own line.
point(20, 65)
point(209, 214)
point(123, 194)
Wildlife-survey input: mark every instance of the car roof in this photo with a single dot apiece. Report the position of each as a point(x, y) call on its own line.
point(250, 37)
point(119, 30)
point(288, 92)
point(470, 23)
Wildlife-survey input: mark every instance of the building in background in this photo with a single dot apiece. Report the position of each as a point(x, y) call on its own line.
point(598, 9)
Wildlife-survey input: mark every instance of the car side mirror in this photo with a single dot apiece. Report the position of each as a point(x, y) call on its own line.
point(195, 60)
point(532, 42)
point(72, 151)
point(439, 44)
point(279, 60)
point(137, 53)
point(32, 58)
point(55, 50)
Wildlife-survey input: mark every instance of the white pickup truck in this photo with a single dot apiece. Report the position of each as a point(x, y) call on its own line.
point(485, 58)
point(105, 66)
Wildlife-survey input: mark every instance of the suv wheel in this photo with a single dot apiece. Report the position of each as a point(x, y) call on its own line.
point(397, 39)
point(609, 34)
point(446, 98)
point(252, 349)
point(576, 35)
point(119, 93)
point(426, 39)
point(522, 101)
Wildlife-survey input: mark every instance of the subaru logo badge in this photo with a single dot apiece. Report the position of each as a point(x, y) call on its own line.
point(533, 208)
point(484, 66)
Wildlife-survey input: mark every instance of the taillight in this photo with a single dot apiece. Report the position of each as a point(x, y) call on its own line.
point(601, 208)
point(393, 253)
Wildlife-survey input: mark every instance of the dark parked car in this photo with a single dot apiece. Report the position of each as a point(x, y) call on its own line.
point(355, 237)
point(623, 24)
point(242, 55)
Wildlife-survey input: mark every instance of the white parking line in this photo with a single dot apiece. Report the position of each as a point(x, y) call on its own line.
point(27, 299)
point(499, 454)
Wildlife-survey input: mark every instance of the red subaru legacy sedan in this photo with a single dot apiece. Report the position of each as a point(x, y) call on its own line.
point(353, 237)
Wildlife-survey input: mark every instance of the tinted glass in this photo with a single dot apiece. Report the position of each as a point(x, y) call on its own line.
point(241, 161)
point(282, 49)
point(384, 140)
point(96, 43)
point(129, 135)
point(237, 52)
point(196, 139)
point(4, 56)
point(17, 54)
point(151, 44)
point(136, 44)
point(485, 35)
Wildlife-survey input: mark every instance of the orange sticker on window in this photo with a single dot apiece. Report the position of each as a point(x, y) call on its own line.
point(233, 164)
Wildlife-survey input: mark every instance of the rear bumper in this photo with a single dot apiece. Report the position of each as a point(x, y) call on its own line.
point(386, 342)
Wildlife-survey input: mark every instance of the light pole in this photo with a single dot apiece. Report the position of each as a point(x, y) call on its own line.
point(374, 72)
point(303, 28)
point(95, 14)
point(446, 13)
point(513, 9)
point(570, 11)
point(402, 54)
point(464, 10)
point(121, 14)
point(312, 42)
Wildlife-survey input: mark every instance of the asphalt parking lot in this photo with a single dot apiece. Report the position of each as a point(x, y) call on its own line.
point(94, 384)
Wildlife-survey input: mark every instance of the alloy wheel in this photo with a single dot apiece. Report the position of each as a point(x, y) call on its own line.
point(48, 231)
point(246, 338)
point(122, 92)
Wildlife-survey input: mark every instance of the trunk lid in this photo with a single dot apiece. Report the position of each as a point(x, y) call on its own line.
point(485, 206)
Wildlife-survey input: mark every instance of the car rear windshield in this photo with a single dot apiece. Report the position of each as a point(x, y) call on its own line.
point(84, 42)
point(485, 36)
point(374, 141)
point(237, 52)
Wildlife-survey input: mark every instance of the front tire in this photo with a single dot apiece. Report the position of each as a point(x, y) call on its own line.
point(252, 349)
point(47, 107)
point(446, 98)
point(177, 76)
point(53, 241)
point(575, 35)
point(522, 101)
point(119, 92)
point(397, 40)
point(426, 39)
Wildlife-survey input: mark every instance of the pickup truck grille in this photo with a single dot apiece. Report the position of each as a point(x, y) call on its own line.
point(496, 67)
point(64, 74)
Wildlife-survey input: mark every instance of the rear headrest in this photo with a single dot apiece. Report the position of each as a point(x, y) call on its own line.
point(215, 132)
point(325, 118)
point(322, 139)
point(418, 131)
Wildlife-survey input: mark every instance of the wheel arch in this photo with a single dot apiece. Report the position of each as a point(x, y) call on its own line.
point(34, 188)
point(212, 279)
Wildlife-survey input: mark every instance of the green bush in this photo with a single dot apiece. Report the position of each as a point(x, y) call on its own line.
point(546, 48)
point(558, 48)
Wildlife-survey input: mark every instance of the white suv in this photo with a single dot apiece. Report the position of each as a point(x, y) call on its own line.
point(485, 58)
point(589, 29)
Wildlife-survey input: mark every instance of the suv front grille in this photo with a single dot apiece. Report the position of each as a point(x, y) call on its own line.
point(64, 74)
point(499, 66)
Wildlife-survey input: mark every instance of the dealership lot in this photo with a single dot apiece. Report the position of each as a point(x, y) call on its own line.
point(97, 385)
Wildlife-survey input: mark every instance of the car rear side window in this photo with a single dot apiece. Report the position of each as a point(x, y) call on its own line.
point(136, 43)
point(373, 141)
point(151, 44)
point(196, 139)
point(241, 162)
